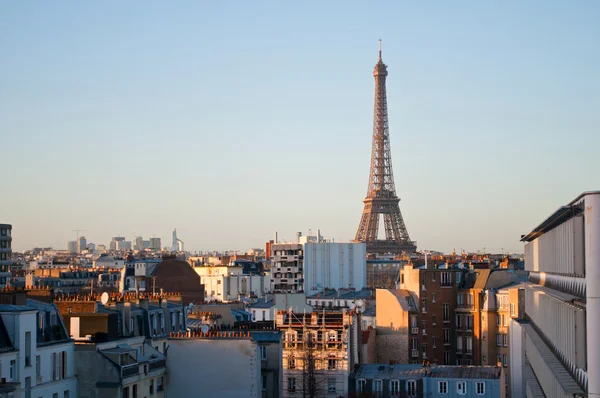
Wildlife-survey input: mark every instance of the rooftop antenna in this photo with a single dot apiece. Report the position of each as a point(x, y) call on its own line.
point(380, 49)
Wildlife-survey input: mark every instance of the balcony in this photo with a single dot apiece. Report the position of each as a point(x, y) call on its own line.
point(130, 370)
point(414, 330)
point(423, 288)
point(414, 353)
point(424, 332)
point(161, 363)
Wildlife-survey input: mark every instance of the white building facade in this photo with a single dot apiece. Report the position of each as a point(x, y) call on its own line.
point(314, 264)
point(560, 356)
point(40, 355)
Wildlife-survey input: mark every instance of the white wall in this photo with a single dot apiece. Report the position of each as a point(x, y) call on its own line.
point(516, 359)
point(228, 288)
point(230, 368)
point(334, 265)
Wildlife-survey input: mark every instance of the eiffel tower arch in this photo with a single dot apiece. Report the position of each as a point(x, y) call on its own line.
point(381, 197)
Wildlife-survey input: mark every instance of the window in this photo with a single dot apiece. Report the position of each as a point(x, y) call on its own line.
point(125, 392)
point(469, 344)
point(459, 299)
point(504, 359)
point(498, 340)
point(480, 388)
point(443, 387)
point(159, 384)
point(151, 386)
point(469, 319)
point(360, 385)
point(135, 391)
point(459, 341)
point(414, 343)
point(446, 336)
point(461, 387)
point(264, 382)
point(331, 385)
point(512, 309)
point(411, 388)
point(66, 394)
point(291, 363)
point(27, 348)
point(131, 326)
point(433, 341)
point(433, 294)
point(291, 384)
point(413, 321)
point(504, 323)
point(504, 340)
point(395, 387)
point(458, 321)
point(377, 386)
point(424, 350)
point(433, 319)
point(13, 370)
point(264, 315)
point(446, 279)
point(446, 312)
point(331, 363)
point(263, 353)
point(470, 299)
point(38, 366)
point(498, 320)
point(446, 357)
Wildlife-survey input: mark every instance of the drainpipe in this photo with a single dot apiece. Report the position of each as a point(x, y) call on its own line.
point(592, 279)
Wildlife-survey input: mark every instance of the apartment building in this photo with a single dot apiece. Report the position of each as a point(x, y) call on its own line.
point(559, 355)
point(5, 253)
point(416, 381)
point(436, 295)
point(313, 264)
point(317, 352)
point(126, 368)
point(35, 349)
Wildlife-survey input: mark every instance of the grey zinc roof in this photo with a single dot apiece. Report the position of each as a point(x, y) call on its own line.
point(380, 371)
point(363, 293)
point(262, 304)
point(16, 308)
point(465, 372)
point(329, 294)
point(266, 336)
point(406, 371)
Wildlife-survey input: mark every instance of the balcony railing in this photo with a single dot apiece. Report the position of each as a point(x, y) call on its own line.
point(130, 370)
point(161, 363)
point(415, 330)
point(414, 353)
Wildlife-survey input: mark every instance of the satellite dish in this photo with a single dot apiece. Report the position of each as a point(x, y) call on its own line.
point(359, 303)
point(104, 298)
point(204, 328)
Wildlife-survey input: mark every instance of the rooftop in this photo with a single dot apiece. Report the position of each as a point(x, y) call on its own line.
point(406, 371)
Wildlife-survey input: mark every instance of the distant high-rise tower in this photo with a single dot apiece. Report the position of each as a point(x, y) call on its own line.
point(381, 197)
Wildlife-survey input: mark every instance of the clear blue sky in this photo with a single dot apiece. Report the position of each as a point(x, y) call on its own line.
point(232, 119)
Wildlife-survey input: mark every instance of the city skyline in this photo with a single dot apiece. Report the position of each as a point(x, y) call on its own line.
point(232, 122)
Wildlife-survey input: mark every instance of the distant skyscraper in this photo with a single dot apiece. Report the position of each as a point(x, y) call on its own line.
point(91, 246)
point(381, 197)
point(139, 243)
point(72, 246)
point(81, 244)
point(155, 244)
point(124, 245)
point(177, 244)
point(5, 245)
point(113, 242)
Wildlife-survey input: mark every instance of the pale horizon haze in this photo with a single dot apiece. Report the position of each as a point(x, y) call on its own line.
point(231, 120)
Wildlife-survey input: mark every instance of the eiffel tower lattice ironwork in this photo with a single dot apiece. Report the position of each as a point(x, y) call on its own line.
point(381, 196)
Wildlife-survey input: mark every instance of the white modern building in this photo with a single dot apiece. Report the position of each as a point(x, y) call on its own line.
point(314, 264)
point(72, 246)
point(560, 356)
point(36, 350)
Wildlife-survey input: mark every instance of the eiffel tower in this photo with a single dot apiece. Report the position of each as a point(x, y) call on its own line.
point(381, 196)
